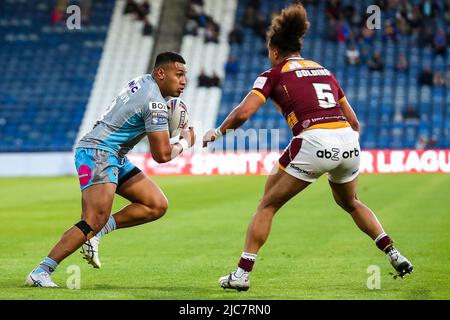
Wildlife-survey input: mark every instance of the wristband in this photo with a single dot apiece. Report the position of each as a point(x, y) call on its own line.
point(218, 133)
point(184, 144)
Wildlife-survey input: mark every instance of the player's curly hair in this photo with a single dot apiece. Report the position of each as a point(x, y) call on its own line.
point(288, 28)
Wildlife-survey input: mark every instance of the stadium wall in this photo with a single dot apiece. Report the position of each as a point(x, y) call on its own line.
point(229, 163)
point(36, 164)
point(250, 163)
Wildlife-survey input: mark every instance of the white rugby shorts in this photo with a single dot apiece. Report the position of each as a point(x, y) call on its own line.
point(318, 151)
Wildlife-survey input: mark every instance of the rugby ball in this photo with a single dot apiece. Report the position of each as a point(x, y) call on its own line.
point(178, 116)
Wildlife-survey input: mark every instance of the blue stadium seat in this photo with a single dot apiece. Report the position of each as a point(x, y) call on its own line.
point(33, 99)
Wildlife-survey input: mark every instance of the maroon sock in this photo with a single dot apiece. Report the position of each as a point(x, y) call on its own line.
point(246, 264)
point(385, 243)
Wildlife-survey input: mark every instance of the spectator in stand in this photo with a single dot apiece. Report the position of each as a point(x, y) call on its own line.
point(194, 11)
point(353, 55)
point(402, 64)
point(146, 7)
point(191, 27)
point(215, 80)
point(425, 36)
point(232, 66)
point(403, 26)
point(364, 57)
point(333, 9)
point(425, 143)
point(426, 77)
point(415, 20)
point(410, 115)
point(206, 81)
point(376, 62)
point(256, 4)
point(143, 10)
point(311, 2)
point(343, 31)
point(250, 17)
point(447, 12)
point(429, 9)
point(261, 26)
point(203, 79)
point(421, 143)
point(438, 79)
point(390, 33)
point(447, 78)
point(140, 10)
point(431, 143)
point(383, 4)
point(211, 32)
point(148, 28)
point(85, 7)
point(130, 7)
point(367, 34)
point(352, 16)
point(403, 16)
point(440, 42)
point(59, 11)
point(331, 29)
point(235, 35)
point(56, 15)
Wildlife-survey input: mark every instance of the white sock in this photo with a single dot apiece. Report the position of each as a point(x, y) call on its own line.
point(380, 236)
point(239, 272)
point(247, 256)
point(110, 226)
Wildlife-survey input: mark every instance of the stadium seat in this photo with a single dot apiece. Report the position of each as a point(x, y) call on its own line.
point(45, 68)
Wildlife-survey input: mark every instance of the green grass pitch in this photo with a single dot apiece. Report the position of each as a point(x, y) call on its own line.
point(314, 251)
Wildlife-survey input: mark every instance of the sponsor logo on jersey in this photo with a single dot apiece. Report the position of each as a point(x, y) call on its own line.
point(351, 153)
point(293, 166)
point(84, 174)
point(334, 154)
point(292, 119)
point(124, 97)
point(157, 106)
point(306, 123)
point(159, 118)
point(260, 82)
point(327, 154)
point(159, 115)
point(159, 121)
point(133, 86)
point(299, 63)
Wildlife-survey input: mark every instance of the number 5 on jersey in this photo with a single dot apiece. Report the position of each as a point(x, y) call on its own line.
point(324, 95)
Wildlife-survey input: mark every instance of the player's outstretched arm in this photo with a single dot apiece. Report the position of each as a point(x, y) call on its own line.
point(350, 115)
point(236, 118)
point(161, 149)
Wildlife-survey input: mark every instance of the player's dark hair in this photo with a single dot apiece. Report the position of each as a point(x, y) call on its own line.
point(168, 57)
point(288, 28)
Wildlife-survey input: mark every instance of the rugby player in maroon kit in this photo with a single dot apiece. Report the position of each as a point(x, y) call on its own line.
point(326, 140)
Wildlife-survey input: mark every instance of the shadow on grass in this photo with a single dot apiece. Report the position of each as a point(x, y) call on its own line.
point(187, 292)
